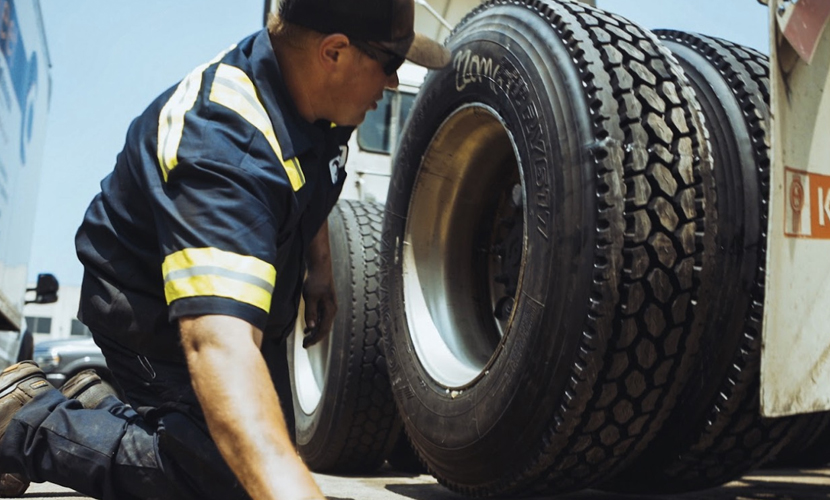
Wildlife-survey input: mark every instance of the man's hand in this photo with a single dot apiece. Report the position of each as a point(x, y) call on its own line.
point(318, 290)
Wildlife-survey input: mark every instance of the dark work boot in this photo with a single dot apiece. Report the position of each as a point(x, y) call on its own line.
point(88, 388)
point(13, 485)
point(19, 384)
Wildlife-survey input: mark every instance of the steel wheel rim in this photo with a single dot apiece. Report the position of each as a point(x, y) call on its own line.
point(310, 366)
point(450, 290)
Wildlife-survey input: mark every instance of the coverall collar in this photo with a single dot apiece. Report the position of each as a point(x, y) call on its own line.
point(294, 134)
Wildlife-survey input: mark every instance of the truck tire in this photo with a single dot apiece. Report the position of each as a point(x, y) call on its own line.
point(716, 433)
point(545, 243)
point(344, 413)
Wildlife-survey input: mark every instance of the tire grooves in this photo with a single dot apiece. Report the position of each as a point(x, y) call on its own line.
point(626, 382)
point(374, 426)
point(733, 437)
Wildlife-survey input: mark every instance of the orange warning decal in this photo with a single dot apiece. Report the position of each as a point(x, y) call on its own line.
point(807, 205)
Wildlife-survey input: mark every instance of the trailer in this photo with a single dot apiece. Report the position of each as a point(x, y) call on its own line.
point(24, 103)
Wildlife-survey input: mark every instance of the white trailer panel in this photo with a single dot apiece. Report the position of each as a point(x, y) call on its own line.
point(795, 361)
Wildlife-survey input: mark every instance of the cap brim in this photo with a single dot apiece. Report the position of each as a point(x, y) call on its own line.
point(428, 53)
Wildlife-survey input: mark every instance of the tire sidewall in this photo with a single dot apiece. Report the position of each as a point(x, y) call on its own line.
point(313, 430)
point(494, 65)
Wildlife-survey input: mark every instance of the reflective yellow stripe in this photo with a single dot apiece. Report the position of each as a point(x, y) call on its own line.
point(199, 272)
point(171, 118)
point(233, 89)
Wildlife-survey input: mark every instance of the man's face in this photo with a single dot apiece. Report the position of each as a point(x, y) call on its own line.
point(362, 88)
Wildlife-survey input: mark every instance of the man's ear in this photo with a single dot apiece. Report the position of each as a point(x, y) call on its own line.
point(332, 50)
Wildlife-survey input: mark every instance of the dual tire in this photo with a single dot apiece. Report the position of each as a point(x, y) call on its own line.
point(545, 239)
point(716, 433)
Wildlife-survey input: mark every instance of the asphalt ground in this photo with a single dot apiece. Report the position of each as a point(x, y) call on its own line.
point(768, 484)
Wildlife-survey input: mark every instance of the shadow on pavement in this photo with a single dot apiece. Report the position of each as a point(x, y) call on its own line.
point(808, 484)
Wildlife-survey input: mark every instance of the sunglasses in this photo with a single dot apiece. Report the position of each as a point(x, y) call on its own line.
point(389, 61)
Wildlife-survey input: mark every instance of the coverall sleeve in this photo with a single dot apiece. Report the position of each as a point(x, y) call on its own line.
point(218, 229)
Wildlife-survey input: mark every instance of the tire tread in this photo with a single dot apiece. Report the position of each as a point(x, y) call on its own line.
point(654, 189)
point(374, 427)
point(733, 438)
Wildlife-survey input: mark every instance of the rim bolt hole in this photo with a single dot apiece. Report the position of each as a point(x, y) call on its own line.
point(503, 308)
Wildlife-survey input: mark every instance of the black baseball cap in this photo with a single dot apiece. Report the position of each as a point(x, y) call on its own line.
point(387, 23)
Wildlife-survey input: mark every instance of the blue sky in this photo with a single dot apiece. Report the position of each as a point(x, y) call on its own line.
point(110, 59)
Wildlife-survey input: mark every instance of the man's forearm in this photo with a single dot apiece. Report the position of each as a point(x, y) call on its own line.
point(319, 249)
point(242, 410)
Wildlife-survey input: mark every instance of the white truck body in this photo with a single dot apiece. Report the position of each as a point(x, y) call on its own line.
point(24, 102)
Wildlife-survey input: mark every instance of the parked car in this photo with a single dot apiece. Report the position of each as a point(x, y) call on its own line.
point(62, 359)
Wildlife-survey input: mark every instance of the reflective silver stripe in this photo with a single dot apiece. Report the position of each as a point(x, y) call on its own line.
point(191, 272)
